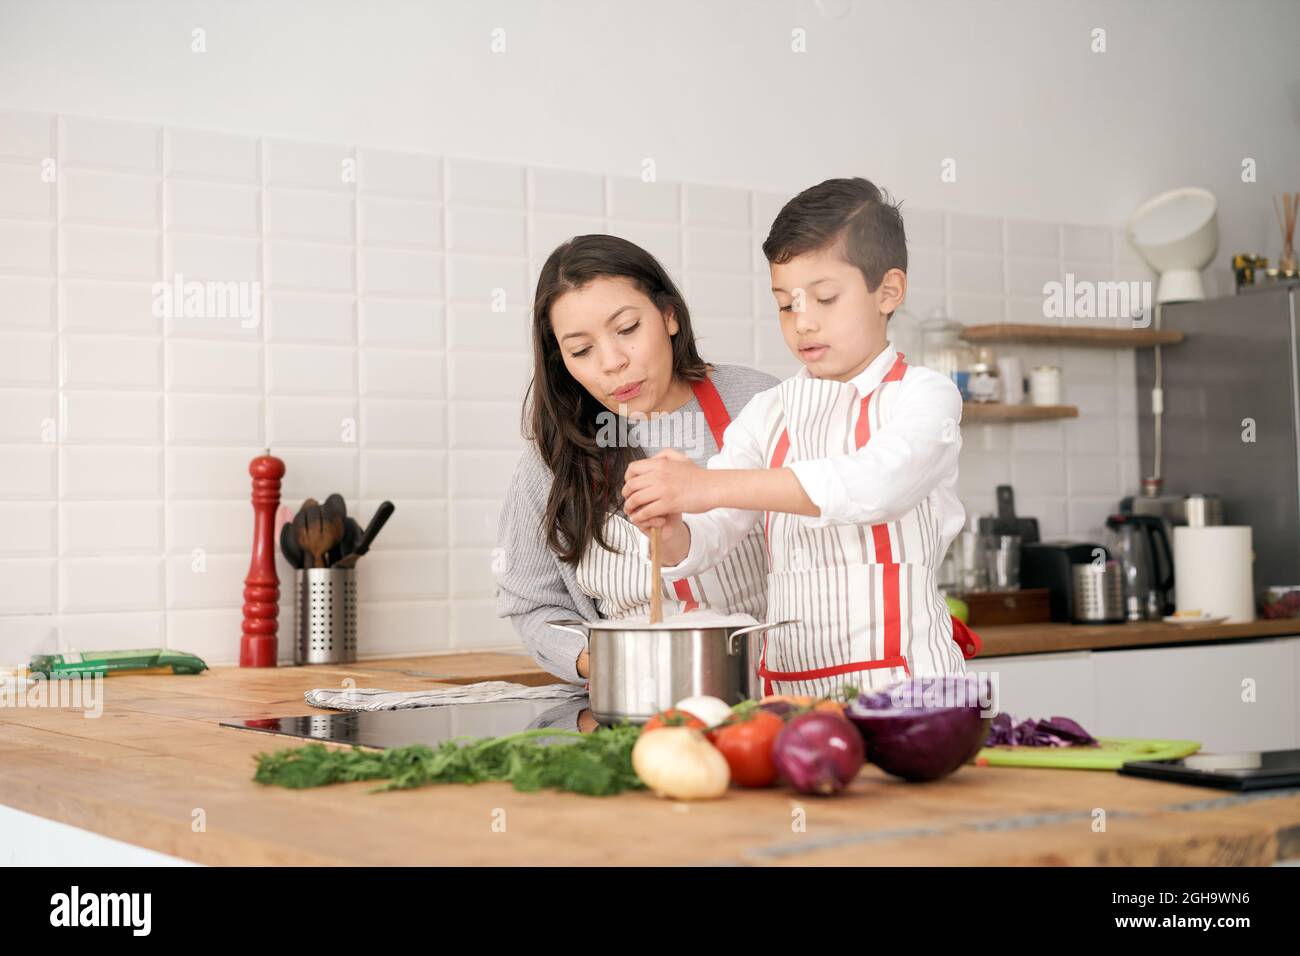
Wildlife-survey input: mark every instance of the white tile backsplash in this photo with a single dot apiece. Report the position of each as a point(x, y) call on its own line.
point(311, 319)
point(214, 207)
point(27, 304)
point(494, 232)
point(307, 368)
point(310, 214)
point(111, 199)
point(26, 136)
point(110, 144)
point(94, 306)
point(632, 198)
point(399, 174)
point(559, 190)
point(480, 183)
point(24, 194)
point(309, 165)
point(400, 221)
point(27, 359)
point(311, 266)
point(400, 273)
point(211, 155)
point(387, 360)
point(27, 248)
point(109, 253)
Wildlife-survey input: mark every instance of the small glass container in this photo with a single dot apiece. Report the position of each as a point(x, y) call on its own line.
point(985, 385)
point(946, 353)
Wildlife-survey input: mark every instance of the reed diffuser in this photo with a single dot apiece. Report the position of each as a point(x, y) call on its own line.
point(1286, 216)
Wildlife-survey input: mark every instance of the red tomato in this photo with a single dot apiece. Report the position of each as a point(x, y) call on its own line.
point(672, 718)
point(747, 745)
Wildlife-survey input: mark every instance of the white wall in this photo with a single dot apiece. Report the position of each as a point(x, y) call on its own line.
point(376, 292)
point(1041, 127)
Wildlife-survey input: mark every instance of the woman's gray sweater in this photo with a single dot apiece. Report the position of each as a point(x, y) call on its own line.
point(534, 586)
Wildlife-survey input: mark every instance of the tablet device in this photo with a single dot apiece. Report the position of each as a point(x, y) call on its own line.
point(1250, 770)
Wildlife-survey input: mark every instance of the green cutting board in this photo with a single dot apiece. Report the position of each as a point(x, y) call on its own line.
point(1113, 753)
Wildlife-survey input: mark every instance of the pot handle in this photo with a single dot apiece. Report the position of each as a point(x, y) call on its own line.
point(572, 625)
point(751, 629)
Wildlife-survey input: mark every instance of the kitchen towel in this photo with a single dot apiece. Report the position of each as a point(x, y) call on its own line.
point(374, 698)
point(1212, 567)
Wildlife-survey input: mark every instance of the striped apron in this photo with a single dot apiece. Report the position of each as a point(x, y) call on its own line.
point(618, 580)
point(865, 597)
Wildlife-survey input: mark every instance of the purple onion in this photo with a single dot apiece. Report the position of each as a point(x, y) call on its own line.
point(818, 753)
point(782, 708)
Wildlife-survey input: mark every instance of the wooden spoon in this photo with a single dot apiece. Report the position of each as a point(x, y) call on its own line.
point(300, 529)
point(656, 587)
point(323, 532)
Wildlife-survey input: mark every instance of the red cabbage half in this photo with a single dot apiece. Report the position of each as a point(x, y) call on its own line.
point(923, 728)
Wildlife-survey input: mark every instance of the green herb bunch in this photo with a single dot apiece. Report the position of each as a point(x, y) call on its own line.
point(597, 764)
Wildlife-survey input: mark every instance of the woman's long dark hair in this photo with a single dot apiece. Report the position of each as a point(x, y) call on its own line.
point(561, 416)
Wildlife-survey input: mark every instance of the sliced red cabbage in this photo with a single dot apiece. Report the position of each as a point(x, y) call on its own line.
point(1052, 732)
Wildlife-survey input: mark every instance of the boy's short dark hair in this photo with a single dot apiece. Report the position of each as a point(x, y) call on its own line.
point(851, 212)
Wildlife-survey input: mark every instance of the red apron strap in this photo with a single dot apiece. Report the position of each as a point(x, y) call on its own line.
point(778, 459)
point(682, 589)
point(817, 672)
point(715, 411)
point(896, 372)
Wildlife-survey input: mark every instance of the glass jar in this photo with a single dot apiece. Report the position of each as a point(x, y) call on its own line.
point(946, 353)
point(985, 385)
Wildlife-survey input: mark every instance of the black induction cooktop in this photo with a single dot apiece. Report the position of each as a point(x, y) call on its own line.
point(432, 726)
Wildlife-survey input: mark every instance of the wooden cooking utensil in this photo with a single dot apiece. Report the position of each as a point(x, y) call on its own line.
point(300, 529)
point(323, 531)
point(656, 588)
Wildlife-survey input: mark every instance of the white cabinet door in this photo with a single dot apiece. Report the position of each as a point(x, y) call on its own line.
point(1042, 685)
point(1196, 693)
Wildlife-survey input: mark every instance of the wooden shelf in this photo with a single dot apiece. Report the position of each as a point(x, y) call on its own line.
point(1093, 336)
point(997, 412)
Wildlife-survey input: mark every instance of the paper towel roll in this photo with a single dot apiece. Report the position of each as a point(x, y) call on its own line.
point(1212, 568)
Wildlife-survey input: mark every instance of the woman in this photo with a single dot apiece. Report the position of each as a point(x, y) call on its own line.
point(616, 376)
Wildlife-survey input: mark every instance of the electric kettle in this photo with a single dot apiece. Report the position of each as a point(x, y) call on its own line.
point(1140, 545)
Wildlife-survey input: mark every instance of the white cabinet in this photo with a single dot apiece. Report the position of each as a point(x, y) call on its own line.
point(1193, 692)
point(1042, 685)
point(1196, 693)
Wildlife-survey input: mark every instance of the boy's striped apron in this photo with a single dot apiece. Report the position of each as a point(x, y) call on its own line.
point(864, 596)
point(618, 581)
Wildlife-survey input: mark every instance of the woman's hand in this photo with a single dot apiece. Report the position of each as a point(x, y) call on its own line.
point(669, 484)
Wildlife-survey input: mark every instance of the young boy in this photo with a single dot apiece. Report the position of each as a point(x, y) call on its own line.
point(850, 465)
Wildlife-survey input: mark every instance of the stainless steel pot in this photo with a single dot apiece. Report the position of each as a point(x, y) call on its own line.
point(636, 672)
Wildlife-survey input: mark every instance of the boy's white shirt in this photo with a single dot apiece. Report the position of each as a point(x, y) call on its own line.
point(912, 456)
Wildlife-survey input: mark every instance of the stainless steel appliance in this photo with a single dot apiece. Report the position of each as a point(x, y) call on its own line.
point(1098, 593)
point(1049, 565)
point(1140, 546)
point(1231, 415)
point(637, 671)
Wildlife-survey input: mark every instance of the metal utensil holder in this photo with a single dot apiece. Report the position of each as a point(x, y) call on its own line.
point(325, 616)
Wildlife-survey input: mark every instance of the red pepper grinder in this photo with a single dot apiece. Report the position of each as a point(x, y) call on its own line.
point(257, 648)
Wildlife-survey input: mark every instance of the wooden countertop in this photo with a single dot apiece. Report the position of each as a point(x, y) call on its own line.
point(1050, 638)
point(157, 754)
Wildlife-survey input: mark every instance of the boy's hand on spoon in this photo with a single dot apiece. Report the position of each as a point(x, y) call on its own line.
point(667, 484)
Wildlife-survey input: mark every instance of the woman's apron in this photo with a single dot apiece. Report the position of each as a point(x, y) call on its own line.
point(865, 597)
point(618, 581)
